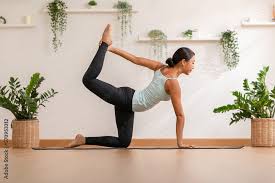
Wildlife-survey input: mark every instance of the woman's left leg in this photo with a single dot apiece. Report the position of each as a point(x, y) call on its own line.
point(124, 122)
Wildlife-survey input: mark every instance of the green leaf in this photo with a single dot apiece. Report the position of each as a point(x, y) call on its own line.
point(23, 103)
point(256, 102)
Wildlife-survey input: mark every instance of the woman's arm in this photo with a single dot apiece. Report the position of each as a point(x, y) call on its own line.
point(151, 64)
point(175, 93)
point(128, 56)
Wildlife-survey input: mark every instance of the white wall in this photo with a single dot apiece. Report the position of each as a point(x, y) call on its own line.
point(76, 110)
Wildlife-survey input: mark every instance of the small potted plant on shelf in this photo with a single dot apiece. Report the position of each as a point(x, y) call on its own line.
point(188, 34)
point(92, 4)
point(258, 104)
point(58, 21)
point(230, 46)
point(125, 17)
point(23, 103)
point(2, 20)
point(158, 42)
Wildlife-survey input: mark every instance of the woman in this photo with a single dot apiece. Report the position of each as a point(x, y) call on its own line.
point(126, 101)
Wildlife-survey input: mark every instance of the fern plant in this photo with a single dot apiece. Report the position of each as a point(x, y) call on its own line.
point(256, 101)
point(24, 102)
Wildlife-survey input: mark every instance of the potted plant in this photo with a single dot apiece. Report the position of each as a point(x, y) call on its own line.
point(158, 42)
point(58, 21)
point(92, 4)
point(23, 103)
point(229, 42)
point(125, 17)
point(3, 20)
point(188, 34)
point(258, 104)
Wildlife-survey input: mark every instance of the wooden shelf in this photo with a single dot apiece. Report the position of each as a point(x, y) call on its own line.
point(92, 10)
point(213, 39)
point(16, 25)
point(258, 24)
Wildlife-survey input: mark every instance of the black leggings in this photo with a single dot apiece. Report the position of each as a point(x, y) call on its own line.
point(120, 97)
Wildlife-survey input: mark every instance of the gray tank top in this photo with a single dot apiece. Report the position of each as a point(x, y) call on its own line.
point(150, 96)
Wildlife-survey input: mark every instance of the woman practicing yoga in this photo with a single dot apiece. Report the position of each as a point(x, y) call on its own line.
point(126, 101)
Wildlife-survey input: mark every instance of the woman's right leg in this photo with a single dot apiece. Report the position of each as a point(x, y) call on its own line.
point(105, 91)
point(120, 97)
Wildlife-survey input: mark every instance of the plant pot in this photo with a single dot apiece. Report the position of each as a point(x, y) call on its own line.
point(92, 7)
point(263, 132)
point(25, 133)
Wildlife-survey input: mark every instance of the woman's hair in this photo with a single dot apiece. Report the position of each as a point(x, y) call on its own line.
point(181, 53)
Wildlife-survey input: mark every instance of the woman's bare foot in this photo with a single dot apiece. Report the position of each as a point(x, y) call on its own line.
point(79, 140)
point(107, 35)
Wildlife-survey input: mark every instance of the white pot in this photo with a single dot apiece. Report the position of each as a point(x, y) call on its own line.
point(92, 7)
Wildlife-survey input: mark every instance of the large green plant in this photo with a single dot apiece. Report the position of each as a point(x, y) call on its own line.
point(158, 42)
point(229, 42)
point(125, 17)
point(58, 15)
point(256, 101)
point(24, 103)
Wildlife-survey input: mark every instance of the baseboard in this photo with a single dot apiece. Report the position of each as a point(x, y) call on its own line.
point(153, 142)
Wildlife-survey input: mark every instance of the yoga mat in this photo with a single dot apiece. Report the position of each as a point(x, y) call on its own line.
point(129, 148)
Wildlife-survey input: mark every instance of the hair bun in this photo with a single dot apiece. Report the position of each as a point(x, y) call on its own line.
point(170, 62)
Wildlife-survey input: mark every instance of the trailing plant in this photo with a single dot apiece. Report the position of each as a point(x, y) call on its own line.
point(256, 101)
point(188, 33)
point(58, 15)
point(125, 17)
point(158, 42)
point(92, 3)
point(229, 42)
point(24, 102)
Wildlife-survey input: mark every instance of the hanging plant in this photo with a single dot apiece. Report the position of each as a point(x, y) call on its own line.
point(125, 17)
point(229, 42)
point(58, 14)
point(188, 33)
point(159, 42)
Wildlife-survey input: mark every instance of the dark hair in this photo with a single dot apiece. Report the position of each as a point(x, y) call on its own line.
point(181, 53)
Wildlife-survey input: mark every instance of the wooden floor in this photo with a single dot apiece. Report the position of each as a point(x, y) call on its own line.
point(247, 165)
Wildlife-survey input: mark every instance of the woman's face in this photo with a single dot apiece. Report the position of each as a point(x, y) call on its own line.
point(188, 66)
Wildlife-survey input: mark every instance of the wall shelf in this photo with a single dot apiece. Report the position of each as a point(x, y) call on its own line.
point(209, 39)
point(258, 24)
point(17, 25)
point(92, 10)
